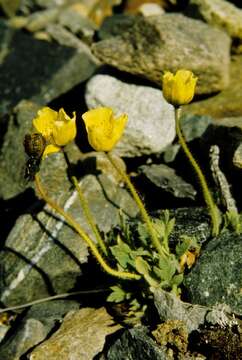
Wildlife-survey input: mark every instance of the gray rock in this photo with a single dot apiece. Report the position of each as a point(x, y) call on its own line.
point(134, 342)
point(237, 158)
point(115, 25)
point(51, 3)
point(193, 222)
point(170, 307)
point(165, 177)
point(38, 70)
point(32, 333)
point(42, 254)
point(151, 124)
point(194, 126)
point(77, 23)
point(40, 19)
point(65, 38)
point(227, 103)
point(34, 327)
point(217, 276)
point(220, 13)
point(151, 9)
point(12, 156)
point(170, 42)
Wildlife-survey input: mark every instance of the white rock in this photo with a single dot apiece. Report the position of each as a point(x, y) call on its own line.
point(151, 123)
point(150, 9)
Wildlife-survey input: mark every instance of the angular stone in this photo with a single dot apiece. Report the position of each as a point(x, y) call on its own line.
point(74, 20)
point(228, 102)
point(42, 254)
point(237, 158)
point(38, 70)
point(170, 42)
point(134, 342)
point(40, 19)
point(151, 123)
point(165, 177)
point(34, 327)
point(216, 277)
point(170, 307)
point(12, 156)
point(81, 336)
point(220, 13)
point(115, 25)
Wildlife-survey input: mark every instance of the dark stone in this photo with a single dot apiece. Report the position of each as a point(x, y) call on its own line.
point(135, 344)
point(217, 276)
point(165, 177)
point(37, 70)
point(34, 327)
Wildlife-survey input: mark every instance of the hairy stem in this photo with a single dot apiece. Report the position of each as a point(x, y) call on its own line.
point(69, 219)
point(213, 210)
point(88, 215)
point(84, 205)
point(145, 216)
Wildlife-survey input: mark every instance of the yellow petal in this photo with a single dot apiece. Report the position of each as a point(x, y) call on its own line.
point(44, 121)
point(118, 128)
point(50, 149)
point(98, 117)
point(64, 130)
point(103, 130)
point(179, 89)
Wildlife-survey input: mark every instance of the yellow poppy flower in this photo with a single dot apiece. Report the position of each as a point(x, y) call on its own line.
point(103, 130)
point(56, 127)
point(179, 89)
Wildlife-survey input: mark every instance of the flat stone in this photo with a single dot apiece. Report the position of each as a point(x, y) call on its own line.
point(220, 13)
point(151, 122)
point(170, 42)
point(42, 254)
point(237, 158)
point(40, 19)
point(74, 20)
point(170, 307)
point(12, 156)
point(34, 327)
point(227, 103)
point(81, 336)
point(38, 70)
point(134, 342)
point(166, 178)
point(216, 277)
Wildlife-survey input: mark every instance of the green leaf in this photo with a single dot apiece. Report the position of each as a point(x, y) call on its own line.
point(122, 253)
point(143, 233)
point(142, 266)
point(177, 279)
point(167, 268)
point(186, 243)
point(170, 226)
point(122, 257)
point(117, 295)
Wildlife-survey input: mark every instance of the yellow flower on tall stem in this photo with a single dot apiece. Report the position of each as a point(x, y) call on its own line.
point(179, 89)
point(103, 129)
point(57, 128)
